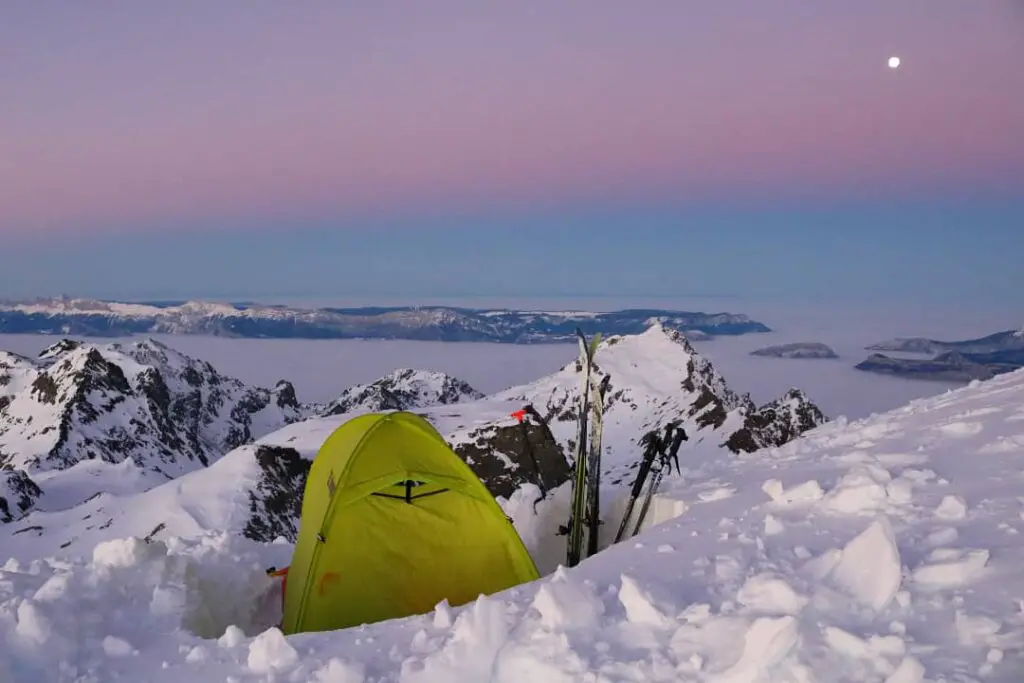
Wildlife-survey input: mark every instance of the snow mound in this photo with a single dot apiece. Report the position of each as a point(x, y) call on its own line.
point(130, 601)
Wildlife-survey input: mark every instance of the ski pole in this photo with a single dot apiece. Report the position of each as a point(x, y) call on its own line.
point(659, 472)
point(652, 442)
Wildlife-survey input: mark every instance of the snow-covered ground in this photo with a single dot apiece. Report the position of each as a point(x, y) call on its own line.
point(882, 550)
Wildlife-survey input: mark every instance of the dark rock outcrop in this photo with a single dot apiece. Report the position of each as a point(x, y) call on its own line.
point(18, 493)
point(275, 504)
point(775, 423)
point(506, 456)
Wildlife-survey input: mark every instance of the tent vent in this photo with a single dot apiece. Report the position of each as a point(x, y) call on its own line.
point(407, 494)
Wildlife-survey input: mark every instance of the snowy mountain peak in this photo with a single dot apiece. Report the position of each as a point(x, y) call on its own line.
point(59, 349)
point(673, 350)
point(403, 389)
point(142, 401)
point(1020, 332)
point(656, 332)
point(657, 377)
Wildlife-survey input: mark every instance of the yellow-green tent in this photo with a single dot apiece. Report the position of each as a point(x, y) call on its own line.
point(393, 522)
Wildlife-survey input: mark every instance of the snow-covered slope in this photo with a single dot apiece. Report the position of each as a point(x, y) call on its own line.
point(886, 550)
point(256, 489)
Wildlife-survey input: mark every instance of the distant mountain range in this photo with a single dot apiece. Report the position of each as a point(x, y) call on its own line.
point(956, 361)
point(94, 318)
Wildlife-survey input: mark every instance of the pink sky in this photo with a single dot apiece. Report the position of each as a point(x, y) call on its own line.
point(192, 112)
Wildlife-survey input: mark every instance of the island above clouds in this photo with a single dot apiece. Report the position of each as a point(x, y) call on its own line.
point(797, 350)
point(956, 361)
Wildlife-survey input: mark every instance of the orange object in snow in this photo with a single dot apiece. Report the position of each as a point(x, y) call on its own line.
point(519, 415)
point(283, 573)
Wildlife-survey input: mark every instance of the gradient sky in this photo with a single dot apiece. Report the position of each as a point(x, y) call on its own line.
point(454, 147)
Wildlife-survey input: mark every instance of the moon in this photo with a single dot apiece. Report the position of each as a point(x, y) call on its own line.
point(894, 62)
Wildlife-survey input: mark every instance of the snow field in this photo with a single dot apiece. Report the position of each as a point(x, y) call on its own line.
point(886, 550)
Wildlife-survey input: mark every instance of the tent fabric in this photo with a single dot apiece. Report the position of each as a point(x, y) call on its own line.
point(393, 522)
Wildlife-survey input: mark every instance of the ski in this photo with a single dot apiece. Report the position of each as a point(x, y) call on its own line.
point(652, 446)
point(658, 471)
point(597, 394)
point(575, 527)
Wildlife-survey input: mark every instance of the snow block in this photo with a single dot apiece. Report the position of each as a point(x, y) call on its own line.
point(869, 567)
point(664, 507)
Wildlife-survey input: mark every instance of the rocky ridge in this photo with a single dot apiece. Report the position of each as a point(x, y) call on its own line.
point(256, 489)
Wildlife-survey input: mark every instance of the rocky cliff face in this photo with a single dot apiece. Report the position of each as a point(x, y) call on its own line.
point(17, 494)
point(775, 423)
point(274, 507)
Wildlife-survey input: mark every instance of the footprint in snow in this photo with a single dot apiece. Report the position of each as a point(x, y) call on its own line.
point(716, 494)
point(960, 429)
point(948, 568)
point(1003, 444)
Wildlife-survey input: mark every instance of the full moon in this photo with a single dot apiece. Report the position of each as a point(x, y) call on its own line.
point(894, 62)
